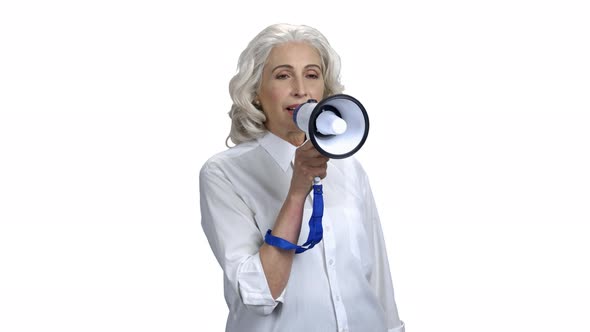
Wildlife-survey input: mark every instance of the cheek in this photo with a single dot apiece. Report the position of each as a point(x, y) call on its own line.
point(319, 91)
point(271, 96)
point(277, 94)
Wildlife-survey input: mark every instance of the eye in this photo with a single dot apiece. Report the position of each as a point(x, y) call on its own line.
point(282, 76)
point(312, 75)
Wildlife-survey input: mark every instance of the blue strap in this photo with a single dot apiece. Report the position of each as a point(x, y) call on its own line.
point(316, 231)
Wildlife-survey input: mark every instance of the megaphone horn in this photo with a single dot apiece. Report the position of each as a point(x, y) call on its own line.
point(337, 126)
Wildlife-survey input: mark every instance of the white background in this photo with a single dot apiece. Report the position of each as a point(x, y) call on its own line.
point(478, 155)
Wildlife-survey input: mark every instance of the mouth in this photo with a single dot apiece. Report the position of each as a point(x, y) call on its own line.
point(291, 108)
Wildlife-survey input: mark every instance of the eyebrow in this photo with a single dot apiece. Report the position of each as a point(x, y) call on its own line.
point(291, 67)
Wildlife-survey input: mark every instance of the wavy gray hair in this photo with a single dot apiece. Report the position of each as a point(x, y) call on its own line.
point(247, 122)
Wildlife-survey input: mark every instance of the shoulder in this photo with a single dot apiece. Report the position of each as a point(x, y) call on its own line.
point(228, 158)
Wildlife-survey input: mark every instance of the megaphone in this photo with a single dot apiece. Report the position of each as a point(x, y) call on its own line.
point(337, 126)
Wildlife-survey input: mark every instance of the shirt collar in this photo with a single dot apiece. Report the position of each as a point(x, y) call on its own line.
point(280, 150)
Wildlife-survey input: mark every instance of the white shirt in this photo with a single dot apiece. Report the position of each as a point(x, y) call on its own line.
point(342, 284)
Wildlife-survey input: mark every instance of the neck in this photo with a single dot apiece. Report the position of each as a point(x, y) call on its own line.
point(295, 139)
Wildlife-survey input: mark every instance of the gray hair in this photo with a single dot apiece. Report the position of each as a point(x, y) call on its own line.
point(247, 120)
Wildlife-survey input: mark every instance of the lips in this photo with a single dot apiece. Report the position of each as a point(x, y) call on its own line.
point(292, 108)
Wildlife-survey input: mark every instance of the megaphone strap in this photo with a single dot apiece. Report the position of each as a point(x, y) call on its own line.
point(316, 231)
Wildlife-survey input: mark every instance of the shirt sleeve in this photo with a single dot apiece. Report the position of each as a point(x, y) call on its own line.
point(380, 277)
point(229, 226)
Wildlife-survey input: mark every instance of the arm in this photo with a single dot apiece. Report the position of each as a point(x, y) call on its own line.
point(256, 271)
point(234, 238)
point(275, 261)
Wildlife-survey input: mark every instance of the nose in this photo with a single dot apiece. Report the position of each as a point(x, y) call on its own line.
point(299, 88)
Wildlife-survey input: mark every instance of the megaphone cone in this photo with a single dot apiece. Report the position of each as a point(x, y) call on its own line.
point(337, 126)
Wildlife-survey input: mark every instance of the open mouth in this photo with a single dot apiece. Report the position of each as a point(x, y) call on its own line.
point(292, 108)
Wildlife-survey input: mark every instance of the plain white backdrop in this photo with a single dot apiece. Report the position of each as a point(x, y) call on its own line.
point(478, 155)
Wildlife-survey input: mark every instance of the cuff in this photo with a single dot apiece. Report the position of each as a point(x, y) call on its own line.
point(254, 289)
point(401, 328)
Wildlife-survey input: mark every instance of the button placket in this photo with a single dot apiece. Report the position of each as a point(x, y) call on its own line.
point(330, 259)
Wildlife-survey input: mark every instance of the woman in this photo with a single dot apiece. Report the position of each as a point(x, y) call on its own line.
point(263, 183)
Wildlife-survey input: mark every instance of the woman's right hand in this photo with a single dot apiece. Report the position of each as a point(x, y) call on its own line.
point(308, 164)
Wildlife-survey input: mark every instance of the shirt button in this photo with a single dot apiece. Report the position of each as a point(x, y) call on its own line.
point(327, 228)
point(331, 262)
point(337, 298)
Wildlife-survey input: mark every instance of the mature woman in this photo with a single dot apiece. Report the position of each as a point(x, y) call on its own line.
point(263, 183)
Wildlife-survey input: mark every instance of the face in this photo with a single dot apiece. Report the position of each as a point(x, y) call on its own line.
point(291, 76)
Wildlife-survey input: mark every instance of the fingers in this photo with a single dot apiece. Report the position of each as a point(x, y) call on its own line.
point(309, 163)
point(306, 146)
point(304, 175)
point(307, 150)
point(320, 171)
point(310, 156)
point(311, 168)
